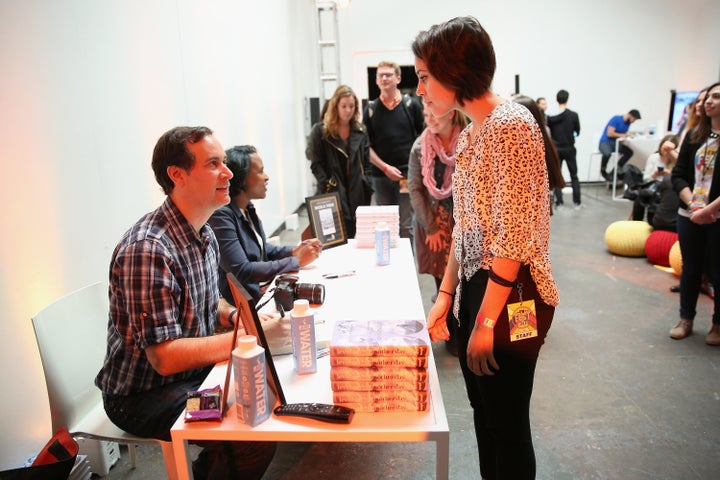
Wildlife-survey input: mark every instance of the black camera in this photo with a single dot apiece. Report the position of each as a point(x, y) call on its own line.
point(287, 290)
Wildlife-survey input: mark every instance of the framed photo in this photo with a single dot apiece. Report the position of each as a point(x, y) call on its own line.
point(326, 220)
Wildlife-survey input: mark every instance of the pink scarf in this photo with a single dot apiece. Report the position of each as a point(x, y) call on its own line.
point(431, 148)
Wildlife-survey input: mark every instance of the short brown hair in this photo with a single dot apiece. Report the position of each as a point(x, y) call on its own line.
point(460, 55)
point(172, 149)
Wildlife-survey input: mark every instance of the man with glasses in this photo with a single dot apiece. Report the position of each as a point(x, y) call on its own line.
point(393, 122)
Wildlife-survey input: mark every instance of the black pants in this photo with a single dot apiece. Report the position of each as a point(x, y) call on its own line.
point(569, 155)
point(151, 414)
point(501, 403)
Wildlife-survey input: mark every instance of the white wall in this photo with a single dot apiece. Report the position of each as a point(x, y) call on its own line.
point(86, 89)
point(611, 56)
point(87, 86)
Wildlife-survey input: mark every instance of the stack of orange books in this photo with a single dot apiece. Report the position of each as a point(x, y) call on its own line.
point(380, 365)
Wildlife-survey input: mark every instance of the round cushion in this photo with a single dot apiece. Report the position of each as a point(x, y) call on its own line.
point(676, 258)
point(658, 245)
point(627, 237)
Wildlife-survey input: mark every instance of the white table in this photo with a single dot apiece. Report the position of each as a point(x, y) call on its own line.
point(388, 292)
point(642, 146)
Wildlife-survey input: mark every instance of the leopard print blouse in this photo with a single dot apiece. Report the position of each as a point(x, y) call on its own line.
point(501, 196)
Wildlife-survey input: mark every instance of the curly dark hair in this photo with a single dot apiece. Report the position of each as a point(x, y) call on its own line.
point(238, 161)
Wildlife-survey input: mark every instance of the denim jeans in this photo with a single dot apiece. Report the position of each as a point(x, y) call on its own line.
point(387, 192)
point(699, 249)
point(607, 149)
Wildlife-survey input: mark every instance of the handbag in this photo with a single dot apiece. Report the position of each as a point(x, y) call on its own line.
point(54, 462)
point(366, 184)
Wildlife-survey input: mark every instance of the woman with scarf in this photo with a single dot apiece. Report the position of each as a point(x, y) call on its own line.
point(431, 165)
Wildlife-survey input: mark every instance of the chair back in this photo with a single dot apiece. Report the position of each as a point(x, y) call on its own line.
point(72, 337)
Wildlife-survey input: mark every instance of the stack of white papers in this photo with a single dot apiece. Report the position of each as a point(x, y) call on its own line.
point(366, 219)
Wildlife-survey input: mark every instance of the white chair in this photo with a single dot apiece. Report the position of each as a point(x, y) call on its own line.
point(72, 336)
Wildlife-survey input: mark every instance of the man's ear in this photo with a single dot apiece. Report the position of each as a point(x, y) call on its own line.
point(176, 174)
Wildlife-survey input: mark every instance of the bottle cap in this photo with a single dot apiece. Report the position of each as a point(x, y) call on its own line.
point(300, 307)
point(246, 342)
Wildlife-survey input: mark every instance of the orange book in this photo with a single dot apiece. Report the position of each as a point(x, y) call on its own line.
point(380, 338)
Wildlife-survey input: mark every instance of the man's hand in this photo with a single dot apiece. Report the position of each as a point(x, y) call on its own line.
point(276, 329)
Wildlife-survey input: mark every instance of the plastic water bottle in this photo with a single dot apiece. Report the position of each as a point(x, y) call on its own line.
point(251, 396)
point(302, 329)
point(382, 243)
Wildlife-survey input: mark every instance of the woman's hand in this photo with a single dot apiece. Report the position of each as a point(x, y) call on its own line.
point(434, 241)
point(436, 321)
point(308, 251)
point(480, 358)
point(703, 216)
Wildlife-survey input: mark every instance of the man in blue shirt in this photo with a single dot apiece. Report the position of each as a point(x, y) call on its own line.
point(616, 128)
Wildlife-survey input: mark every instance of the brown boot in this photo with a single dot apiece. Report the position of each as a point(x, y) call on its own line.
point(713, 336)
point(682, 330)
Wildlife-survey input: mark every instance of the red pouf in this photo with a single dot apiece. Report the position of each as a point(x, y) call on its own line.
point(658, 245)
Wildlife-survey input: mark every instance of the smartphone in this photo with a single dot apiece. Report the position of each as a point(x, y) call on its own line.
point(660, 168)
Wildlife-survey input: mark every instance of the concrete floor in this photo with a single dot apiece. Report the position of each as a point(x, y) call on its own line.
point(614, 398)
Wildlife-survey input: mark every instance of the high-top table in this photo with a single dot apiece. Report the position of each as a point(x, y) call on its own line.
point(388, 292)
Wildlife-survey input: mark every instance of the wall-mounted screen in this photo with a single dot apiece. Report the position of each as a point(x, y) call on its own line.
point(679, 103)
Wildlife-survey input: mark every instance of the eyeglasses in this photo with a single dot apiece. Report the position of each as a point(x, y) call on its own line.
point(385, 75)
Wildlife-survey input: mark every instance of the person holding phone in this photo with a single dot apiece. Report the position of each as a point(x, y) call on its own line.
point(657, 168)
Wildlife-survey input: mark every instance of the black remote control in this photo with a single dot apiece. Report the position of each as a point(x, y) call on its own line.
point(317, 411)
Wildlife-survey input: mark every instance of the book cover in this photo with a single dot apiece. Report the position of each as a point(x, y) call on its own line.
point(388, 407)
point(389, 396)
point(379, 338)
point(374, 374)
point(396, 361)
point(377, 386)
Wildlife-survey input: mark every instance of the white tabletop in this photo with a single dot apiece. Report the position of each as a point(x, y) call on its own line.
point(388, 292)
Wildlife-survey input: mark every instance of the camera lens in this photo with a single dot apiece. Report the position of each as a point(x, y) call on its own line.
point(312, 292)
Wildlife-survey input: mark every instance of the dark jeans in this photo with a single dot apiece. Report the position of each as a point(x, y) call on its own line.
point(607, 149)
point(570, 157)
point(501, 403)
point(151, 414)
point(387, 192)
point(699, 249)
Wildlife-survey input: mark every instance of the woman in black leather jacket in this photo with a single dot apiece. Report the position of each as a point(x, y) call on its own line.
point(338, 150)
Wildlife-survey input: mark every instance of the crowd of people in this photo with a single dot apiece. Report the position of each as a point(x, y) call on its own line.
point(459, 162)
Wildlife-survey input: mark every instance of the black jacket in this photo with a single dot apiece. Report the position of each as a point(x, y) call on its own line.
point(683, 174)
point(340, 171)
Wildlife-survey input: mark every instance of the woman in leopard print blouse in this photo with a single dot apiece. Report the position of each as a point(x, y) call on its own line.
point(500, 275)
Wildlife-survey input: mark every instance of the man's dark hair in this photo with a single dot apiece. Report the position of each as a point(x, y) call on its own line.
point(172, 149)
point(562, 96)
point(635, 114)
point(460, 55)
point(238, 161)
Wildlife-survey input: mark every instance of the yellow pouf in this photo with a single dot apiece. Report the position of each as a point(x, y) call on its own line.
point(676, 258)
point(627, 237)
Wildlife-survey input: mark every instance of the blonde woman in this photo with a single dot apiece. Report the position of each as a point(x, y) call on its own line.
point(338, 150)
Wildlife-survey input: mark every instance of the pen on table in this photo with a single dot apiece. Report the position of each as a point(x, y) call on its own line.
point(349, 273)
point(307, 242)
